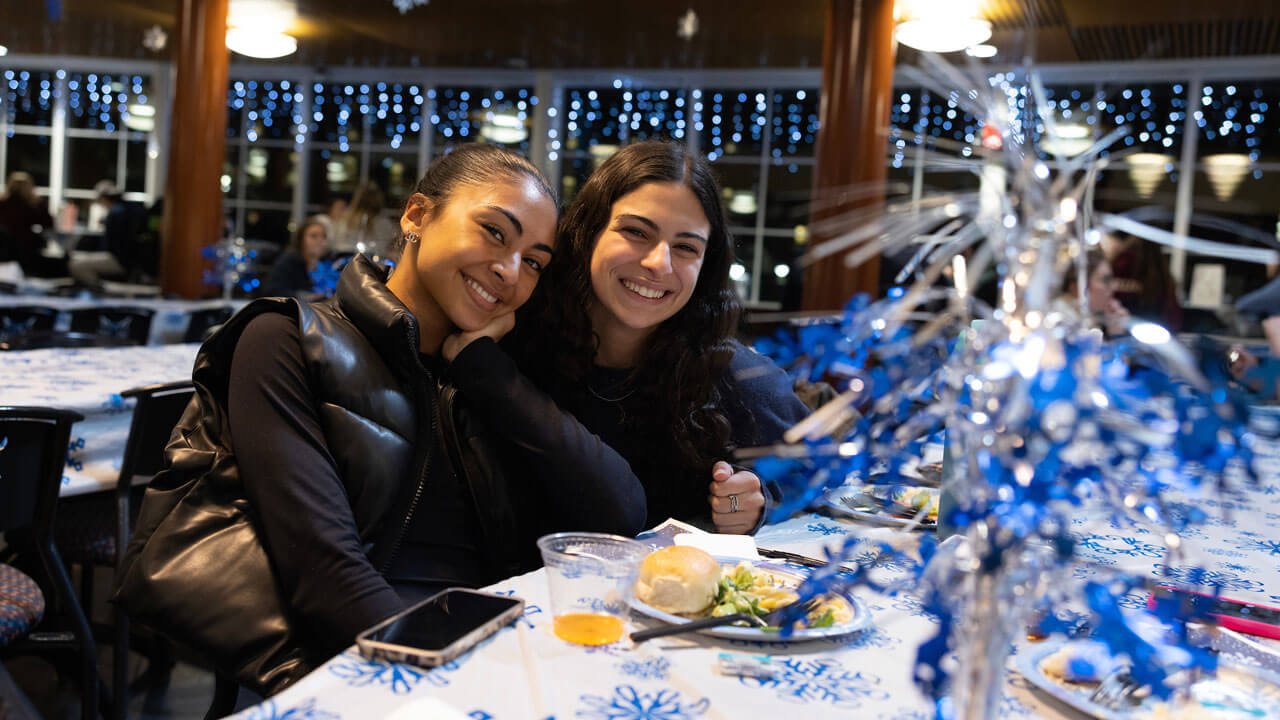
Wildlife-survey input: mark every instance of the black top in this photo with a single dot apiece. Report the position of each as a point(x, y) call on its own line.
point(288, 277)
point(766, 407)
point(292, 482)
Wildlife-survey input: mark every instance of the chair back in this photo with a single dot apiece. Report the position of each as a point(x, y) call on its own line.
point(24, 319)
point(122, 322)
point(33, 451)
point(158, 410)
point(202, 321)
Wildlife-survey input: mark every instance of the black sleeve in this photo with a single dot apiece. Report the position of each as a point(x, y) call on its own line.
point(766, 394)
point(287, 278)
point(585, 480)
point(293, 484)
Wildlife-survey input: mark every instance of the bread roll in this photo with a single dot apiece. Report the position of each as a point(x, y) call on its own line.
point(678, 579)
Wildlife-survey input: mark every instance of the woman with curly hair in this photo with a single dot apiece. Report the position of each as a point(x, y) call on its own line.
point(632, 331)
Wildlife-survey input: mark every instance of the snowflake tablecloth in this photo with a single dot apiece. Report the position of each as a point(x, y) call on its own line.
point(89, 381)
point(524, 671)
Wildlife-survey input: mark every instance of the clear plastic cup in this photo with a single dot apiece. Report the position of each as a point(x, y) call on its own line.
point(590, 577)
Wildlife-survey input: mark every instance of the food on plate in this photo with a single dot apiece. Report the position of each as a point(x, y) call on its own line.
point(757, 592)
point(918, 499)
point(679, 579)
point(1081, 662)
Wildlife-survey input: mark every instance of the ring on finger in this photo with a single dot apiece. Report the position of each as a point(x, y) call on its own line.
point(733, 503)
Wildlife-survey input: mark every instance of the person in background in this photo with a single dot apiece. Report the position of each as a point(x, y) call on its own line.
point(363, 228)
point(120, 228)
point(23, 220)
point(333, 214)
point(1100, 298)
point(1143, 283)
point(632, 332)
point(290, 275)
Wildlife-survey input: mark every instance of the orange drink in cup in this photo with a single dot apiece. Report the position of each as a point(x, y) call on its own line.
point(590, 576)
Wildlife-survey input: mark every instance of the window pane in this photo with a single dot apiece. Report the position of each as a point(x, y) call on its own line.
point(269, 225)
point(396, 174)
point(795, 122)
point(573, 174)
point(29, 97)
point(270, 174)
point(592, 117)
point(1154, 112)
point(110, 102)
point(135, 167)
point(740, 187)
point(333, 174)
point(235, 108)
point(272, 110)
point(29, 153)
point(787, 204)
point(732, 122)
point(395, 114)
point(90, 160)
point(653, 114)
point(335, 114)
point(1240, 118)
point(781, 275)
point(478, 114)
point(744, 249)
point(230, 170)
point(946, 120)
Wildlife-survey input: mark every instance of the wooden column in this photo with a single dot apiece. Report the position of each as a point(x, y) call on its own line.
point(857, 81)
point(197, 131)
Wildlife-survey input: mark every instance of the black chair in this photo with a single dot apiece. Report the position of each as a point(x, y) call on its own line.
point(43, 339)
point(20, 320)
point(204, 321)
point(33, 450)
point(122, 322)
point(98, 536)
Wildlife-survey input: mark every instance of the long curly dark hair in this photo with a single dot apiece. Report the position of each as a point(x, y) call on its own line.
point(676, 395)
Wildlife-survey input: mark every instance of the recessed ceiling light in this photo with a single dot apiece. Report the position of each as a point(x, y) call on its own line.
point(259, 44)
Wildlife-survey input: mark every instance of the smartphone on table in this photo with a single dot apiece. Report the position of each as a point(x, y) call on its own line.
point(1244, 617)
point(440, 628)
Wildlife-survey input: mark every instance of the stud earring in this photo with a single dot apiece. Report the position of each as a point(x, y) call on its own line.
point(412, 237)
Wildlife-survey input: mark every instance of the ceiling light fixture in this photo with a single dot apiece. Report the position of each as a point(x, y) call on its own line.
point(1225, 172)
point(940, 25)
point(504, 129)
point(982, 50)
point(256, 28)
point(1147, 170)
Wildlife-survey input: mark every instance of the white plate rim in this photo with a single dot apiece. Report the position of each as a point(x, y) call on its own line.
point(1030, 656)
point(861, 620)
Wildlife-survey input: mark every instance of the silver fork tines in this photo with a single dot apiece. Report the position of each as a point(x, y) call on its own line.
point(1117, 690)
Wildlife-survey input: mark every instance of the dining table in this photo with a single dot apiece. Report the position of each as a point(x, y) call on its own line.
point(526, 671)
point(90, 381)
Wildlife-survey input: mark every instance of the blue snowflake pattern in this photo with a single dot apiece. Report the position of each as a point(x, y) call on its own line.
point(649, 669)
point(879, 561)
point(1234, 566)
point(1111, 545)
point(612, 650)
point(479, 715)
point(873, 638)
point(1270, 489)
point(824, 529)
point(399, 678)
point(73, 449)
point(1136, 600)
point(115, 405)
point(1080, 572)
point(1259, 544)
point(1011, 706)
point(627, 703)
point(1213, 578)
point(823, 680)
point(529, 609)
point(1225, 553)
point(270, 710)
point(910, 604)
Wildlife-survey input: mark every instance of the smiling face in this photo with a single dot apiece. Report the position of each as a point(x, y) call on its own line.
point(480, 254)
point(646, 261)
